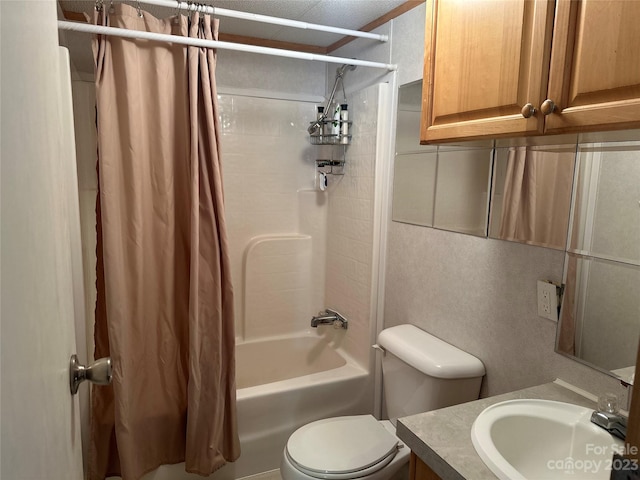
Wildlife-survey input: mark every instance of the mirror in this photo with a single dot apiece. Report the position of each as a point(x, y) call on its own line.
point(606, 221)
point(535, 200)
point(462, 190)
point(600, 319)
point(440, 187)
point(414, 181)
point(532, 194)
point(414, 174)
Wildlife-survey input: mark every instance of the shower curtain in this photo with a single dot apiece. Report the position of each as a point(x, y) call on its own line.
point(165, 303)
point(536, 196)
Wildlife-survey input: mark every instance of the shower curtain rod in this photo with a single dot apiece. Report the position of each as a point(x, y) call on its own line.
point(254, 17)
point(195, 42)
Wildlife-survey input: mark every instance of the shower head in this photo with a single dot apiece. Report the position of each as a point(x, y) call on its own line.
point(342, 70)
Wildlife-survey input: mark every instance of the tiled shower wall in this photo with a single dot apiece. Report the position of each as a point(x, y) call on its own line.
point(351, 227)
point(268, 170)
point(270, 190)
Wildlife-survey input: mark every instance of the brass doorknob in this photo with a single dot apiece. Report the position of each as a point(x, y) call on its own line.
point(528, 110)
point(547, 107)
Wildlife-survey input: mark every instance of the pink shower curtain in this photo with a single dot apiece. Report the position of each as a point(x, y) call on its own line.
point(165, 303)
point(537, 196)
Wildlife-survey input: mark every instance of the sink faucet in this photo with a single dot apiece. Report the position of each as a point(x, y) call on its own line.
point(329, 317)
point(607, 417)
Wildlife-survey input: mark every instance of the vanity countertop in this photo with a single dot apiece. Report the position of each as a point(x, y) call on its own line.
point(442, 438)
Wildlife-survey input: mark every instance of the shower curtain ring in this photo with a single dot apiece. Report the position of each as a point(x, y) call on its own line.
point(99, 5)
point(176, 20)
point(138, 8)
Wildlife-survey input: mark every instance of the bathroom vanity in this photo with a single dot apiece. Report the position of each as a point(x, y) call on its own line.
point(440, 440)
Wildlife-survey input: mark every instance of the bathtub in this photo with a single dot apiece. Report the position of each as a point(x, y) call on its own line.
point(284, 383)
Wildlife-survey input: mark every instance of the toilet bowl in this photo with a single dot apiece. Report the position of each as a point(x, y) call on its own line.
point(343, 448)
point(420, 373)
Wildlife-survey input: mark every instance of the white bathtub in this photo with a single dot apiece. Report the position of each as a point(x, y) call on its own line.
point(284, 383)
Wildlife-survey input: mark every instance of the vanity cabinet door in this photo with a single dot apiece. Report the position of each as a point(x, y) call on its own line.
point(594, 79)
point(418, 470)
point(484, 61)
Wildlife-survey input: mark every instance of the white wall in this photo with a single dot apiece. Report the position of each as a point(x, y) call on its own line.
point(407, 44)
point(276, 74)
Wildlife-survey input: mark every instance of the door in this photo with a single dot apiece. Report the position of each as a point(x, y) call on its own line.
point(594, 79)
point(39, 419)
point(484, 61)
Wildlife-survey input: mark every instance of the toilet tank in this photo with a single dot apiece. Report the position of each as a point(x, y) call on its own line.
point(421, 372)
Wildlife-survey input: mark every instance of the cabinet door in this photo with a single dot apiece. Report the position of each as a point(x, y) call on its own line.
point(418, 470)
point(484, 60)
point(594, 79)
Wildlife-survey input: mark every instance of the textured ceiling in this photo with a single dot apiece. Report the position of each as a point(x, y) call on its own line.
point(351, 14)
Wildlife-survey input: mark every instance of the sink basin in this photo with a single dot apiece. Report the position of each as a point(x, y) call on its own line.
point(543, 440)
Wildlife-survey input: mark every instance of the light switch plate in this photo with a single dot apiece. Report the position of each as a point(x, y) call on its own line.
point(547, 300)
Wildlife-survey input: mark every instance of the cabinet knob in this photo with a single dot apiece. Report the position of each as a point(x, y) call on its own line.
point(528, 110)
point(547, 107)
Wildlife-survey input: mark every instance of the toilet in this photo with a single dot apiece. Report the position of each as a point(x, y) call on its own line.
point(420, 373)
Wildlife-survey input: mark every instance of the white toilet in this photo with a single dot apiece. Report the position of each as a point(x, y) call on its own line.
point(420, 373)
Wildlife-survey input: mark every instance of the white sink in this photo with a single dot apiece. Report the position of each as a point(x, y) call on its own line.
point(543, 440)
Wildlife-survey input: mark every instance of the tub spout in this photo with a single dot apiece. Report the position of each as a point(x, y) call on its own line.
point(329, 317)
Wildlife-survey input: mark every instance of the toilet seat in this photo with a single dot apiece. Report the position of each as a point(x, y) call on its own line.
point(341, 447)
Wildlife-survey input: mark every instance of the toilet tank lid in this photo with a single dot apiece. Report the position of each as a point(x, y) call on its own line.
point(429, 354)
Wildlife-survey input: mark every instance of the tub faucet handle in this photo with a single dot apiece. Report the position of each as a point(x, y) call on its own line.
point(340, 321)
point(330, 317)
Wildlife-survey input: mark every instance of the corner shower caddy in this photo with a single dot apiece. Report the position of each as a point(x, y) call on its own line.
point(331, 166)
point(332, 130)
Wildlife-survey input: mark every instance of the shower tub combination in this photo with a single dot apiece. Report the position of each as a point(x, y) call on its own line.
point(283, 383)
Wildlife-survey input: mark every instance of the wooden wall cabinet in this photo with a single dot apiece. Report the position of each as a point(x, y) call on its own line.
point(495, 68)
